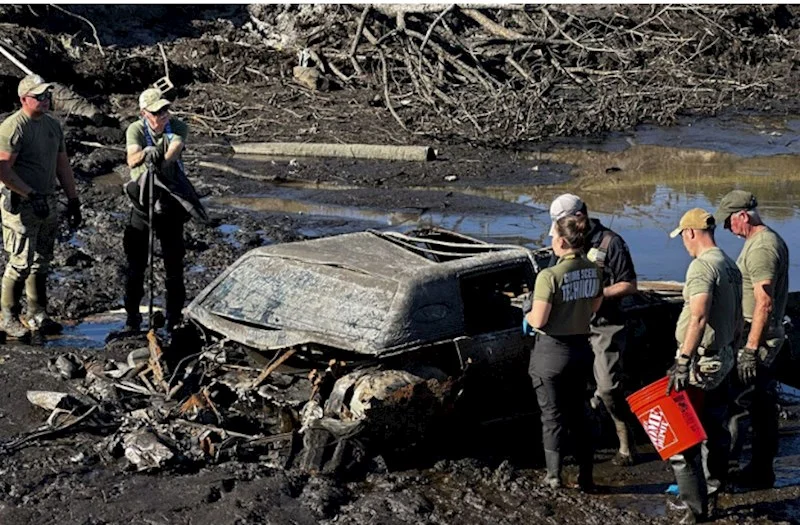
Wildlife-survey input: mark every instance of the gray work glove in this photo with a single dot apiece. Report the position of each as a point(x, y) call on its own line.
point(527, 303)
point(39, 204)
point(152, 155)
point(678, 374)
point(747, 365)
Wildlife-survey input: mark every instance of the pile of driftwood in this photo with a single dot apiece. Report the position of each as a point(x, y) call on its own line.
point(504, 73)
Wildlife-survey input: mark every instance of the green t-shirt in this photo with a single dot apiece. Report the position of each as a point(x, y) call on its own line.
point(765, 256)
point(570, 287)
point(134, 136)
point(37, 143)
point(714, 273)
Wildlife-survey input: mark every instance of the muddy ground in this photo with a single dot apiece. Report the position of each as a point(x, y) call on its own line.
point(490, 477)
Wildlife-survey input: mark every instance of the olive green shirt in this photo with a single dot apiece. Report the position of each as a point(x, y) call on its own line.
point(714, 273)
point(134, 136)
point(765, 256)
point(37, 143)
point(570, 287)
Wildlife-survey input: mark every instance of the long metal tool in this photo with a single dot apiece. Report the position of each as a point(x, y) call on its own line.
point(151, 173)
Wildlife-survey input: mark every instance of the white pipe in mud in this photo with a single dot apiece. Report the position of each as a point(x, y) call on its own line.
point(355, 151)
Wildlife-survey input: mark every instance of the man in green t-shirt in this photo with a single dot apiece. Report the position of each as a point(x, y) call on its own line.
point(157, 140)
point(764, 263)
point(707, 330)
point(33, 162)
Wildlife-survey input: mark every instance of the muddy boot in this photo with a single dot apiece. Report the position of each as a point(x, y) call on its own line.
point(37, 318)
point(585, 472)
point(552, 461)
point(42, 323)
point(9, 302)
point(625, 455)
point(13, 327)
point(688, 469)
point(133, 323)
point(754, 478)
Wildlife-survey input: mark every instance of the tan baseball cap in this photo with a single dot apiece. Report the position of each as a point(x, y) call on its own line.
point(32, 85)
point(152, 101)
point(563, 206)
point(696, 219)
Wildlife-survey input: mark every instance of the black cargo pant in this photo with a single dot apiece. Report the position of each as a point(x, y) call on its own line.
point(760, 401)
point(169, 232)
point(608, 344)
point(703, 469)
point(560, 368)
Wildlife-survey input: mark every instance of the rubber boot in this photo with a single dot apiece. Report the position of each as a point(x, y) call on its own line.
point(625, 455)
point(585, 459)
point(10, 295)
point(689, 475)
point(37, 318)
point(553, 463)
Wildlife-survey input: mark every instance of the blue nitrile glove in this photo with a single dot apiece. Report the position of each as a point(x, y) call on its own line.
point(527, 329)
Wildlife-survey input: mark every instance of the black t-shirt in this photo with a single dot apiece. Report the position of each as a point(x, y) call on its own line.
point(617, 268)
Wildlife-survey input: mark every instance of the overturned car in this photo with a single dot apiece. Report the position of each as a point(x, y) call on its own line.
point(396, 332)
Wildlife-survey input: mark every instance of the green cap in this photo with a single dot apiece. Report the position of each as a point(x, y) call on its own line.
point(736, 200)
point(32, 85)
point(152, 101)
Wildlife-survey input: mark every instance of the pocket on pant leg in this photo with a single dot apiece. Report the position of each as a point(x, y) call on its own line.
point(14, 242)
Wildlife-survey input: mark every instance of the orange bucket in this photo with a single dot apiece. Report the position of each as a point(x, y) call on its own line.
point(670, 422)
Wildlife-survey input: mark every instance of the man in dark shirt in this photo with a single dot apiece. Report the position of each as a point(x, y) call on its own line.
point(609, 334)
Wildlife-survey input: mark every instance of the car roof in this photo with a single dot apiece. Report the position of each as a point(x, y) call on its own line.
point(366, 292)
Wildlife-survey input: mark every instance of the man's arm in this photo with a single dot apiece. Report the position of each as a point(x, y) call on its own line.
point(65, 175)
point(620, 265)
point(699, 308)
point(174, 151)
point(9, 178)
point(135, 155)
point(763, 291)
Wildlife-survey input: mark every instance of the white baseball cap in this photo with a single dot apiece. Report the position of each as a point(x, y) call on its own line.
point(563, 206)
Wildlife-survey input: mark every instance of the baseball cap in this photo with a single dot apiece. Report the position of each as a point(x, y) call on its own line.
point(32, 85)
point(152, 101)
point(562, 206)
point(736, 200)
point(696, 219)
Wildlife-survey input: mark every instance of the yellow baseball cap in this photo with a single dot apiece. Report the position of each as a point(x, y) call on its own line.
point(696, 219)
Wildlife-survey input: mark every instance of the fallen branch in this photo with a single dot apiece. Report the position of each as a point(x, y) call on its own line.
point(79, 17)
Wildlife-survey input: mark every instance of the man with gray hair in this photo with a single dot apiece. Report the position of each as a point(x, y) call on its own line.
point(608, 330)
point(764, 263)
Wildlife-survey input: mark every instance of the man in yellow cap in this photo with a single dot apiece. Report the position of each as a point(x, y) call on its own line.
point(707, 330)
point(157, 141)
point(33, 160)
point(764, 263)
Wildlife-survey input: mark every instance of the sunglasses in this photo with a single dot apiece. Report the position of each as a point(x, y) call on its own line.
point(161, 112)
point(41, 96)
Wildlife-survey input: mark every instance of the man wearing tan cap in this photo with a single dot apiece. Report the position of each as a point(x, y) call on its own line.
point(707, 330)
point(33, 161)
point(608, 337)
point(764, 263)
point(157, 140)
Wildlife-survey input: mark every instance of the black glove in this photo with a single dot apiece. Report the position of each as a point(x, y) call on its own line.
point(39, 204)
point(746, 365)
point(74, 217)
point(527, 303)
point(152, 155)
point(678, 374)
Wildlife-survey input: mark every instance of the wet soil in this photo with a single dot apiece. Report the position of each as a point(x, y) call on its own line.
point(488, 478)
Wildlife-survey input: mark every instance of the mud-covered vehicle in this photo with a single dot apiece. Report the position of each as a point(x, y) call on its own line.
point(398, 331)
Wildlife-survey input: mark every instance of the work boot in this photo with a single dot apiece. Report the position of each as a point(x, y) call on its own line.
point(680, 513)
point(552, 461)
point(13, 326)
point(133, 323)
point(752, 477)
point(42, 323)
